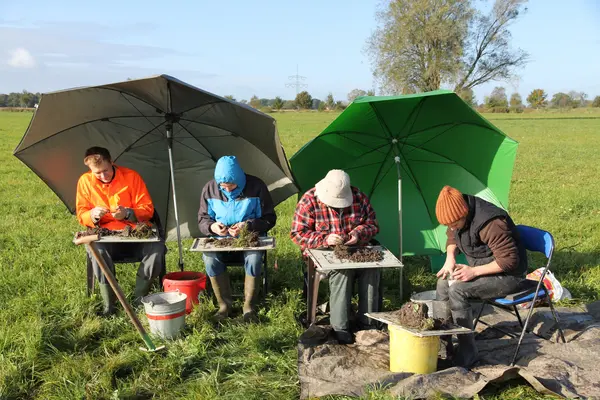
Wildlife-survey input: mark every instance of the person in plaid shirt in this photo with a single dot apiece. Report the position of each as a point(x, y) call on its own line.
point(332, 213)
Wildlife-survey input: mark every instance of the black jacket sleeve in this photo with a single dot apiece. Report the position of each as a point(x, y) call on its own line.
point(268, 218)
point(204, 219)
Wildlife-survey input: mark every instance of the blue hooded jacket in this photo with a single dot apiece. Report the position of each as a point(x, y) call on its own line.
point(250, 201)
point(228, 170)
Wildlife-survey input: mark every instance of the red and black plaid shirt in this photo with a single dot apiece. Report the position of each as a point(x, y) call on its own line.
point(314, 221)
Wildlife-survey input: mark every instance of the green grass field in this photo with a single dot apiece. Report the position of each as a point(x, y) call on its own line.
point(53, 346)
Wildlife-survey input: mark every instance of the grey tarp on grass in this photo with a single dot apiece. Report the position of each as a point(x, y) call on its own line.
point(130, 119)
point(569, 370)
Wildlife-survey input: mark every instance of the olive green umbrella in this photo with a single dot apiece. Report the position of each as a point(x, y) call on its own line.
point(400, 151)
point(170, 132)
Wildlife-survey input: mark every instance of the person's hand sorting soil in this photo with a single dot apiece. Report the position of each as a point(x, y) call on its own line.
point(219, 229)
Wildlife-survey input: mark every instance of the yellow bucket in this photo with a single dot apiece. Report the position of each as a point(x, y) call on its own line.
point(410, 353)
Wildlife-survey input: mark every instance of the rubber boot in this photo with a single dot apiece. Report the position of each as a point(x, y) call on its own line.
point(142, 288)
point(343, 337)
point(466, 353)
point(108, 299)
point(249, 290)
point(222, 290)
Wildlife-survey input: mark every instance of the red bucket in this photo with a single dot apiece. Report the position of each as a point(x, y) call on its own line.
point(189, 282)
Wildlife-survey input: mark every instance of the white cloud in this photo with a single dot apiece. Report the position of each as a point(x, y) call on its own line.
point(21, 58)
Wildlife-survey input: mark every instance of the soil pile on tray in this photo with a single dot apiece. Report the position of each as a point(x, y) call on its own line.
point(140, 231)
point(414, 315)
point(246, 238)
point(357, 254)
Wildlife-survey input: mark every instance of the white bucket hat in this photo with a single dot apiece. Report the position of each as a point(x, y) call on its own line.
point(334, 190)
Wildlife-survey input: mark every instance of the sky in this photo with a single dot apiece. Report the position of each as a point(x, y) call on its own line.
point(243, 48)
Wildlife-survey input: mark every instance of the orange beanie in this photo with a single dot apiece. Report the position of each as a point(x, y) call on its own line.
point(450, 206)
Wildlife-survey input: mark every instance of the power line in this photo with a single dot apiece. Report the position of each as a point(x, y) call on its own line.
point(297, 81)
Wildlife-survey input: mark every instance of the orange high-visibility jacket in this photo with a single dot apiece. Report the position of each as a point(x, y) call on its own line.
point(126, 189)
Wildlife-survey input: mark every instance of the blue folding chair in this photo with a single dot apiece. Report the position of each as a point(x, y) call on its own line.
point(536, 240)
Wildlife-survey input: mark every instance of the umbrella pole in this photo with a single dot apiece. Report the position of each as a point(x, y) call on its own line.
point(397, 160)
point(172, 170)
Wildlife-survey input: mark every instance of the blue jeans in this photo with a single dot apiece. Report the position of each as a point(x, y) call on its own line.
point(216, 261)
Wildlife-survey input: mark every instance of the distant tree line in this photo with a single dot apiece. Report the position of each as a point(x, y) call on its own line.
point(499, 102)
point(496, 102)
point(23, 99)
point(303, 101)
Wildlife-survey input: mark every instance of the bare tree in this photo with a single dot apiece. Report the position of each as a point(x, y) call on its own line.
point(488, 56)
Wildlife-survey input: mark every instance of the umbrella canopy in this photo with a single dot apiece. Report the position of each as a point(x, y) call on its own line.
point(408, 148)
point(168, 131)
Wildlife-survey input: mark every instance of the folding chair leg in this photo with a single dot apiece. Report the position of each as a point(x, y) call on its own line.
point(523, 328)
point(519, 316)
point(560, 331)
point(518, 346)
point(478, 315)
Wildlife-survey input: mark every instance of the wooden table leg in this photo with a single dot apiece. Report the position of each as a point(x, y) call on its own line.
point(310, 283)
point(312, 296)
point(315, 295)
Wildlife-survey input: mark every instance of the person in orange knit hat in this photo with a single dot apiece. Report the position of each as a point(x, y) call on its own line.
point(497, 260)
point(113, 197)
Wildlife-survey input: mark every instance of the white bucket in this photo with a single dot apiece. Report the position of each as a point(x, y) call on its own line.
point(166, 313)
point(426, 297)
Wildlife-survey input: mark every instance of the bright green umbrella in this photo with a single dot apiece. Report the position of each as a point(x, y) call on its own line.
point(409, 147)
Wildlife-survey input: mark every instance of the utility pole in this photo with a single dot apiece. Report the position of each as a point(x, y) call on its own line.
point(296, 81)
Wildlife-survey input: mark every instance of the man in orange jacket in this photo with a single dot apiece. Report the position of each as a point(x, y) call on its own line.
point(112, 197)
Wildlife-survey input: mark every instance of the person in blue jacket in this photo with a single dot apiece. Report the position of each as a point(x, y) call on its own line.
point(229, 202)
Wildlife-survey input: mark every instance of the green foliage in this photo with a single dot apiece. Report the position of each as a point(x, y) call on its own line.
point(230, 97)
point(515, 100)
point(537, 98)
point(330, 102)
point(254, 102)
point(289, 105)
point(516, 103)
point(355, 93)
point(322, 106)
point(561, 100)
point(339, 105)
point(579, 98)
point(497, 100)
point(315, 104)
point(24, 99)
point(278, 103)
point(468, 96)
point(596, 102)
point(304, 100)
point(419, 44)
